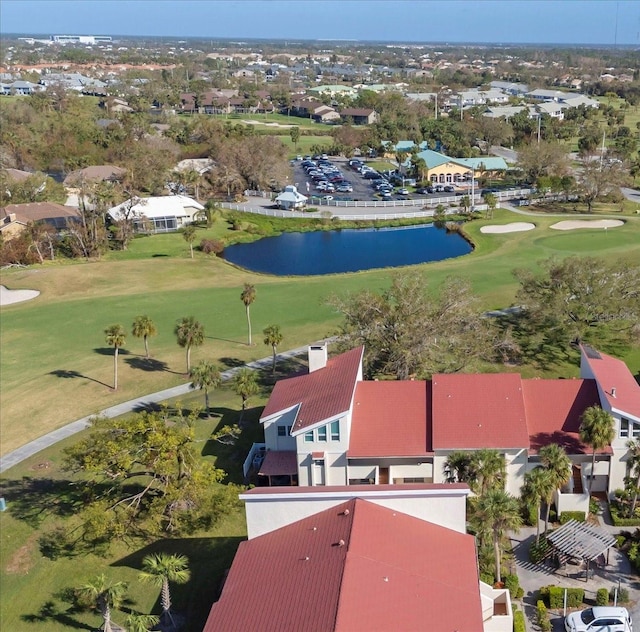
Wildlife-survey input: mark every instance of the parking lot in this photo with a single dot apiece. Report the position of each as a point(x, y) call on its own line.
point(325, 179)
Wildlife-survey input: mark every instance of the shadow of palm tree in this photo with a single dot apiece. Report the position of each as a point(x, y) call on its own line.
point(67, 374)
point(108, 351)
point(209, 560)
point(231, 363)
point(146, 364)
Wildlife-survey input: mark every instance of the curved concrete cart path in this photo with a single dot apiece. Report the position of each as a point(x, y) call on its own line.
point(33, 447)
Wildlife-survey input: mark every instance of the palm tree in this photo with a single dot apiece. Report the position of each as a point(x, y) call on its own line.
point(160, 569)
point(189, 234)
point(272, 338)
point(498, 511)
point(143, 327)
point(634, 464)
point(190, 333)
point(245, 384)
point(104, 595)
point(539, 486)
point(490, 467)
point(597, 429)
point(115, 337)
point(141, 622)
point(458, 468)
point(205, 375)
point(248, 295)
point(558, 464)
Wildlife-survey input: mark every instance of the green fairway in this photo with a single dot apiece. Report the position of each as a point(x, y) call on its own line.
point(56, 367)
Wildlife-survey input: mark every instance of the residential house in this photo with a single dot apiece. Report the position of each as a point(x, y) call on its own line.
point(360, 116)
point(14, 218)
point(358, 558)
point(158, 214)
point(331, 427)
point(95, 173)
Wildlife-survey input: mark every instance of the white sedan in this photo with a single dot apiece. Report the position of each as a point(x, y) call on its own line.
point(599, 619)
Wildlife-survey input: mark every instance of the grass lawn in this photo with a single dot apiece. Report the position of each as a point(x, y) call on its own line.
point(33, 586)
point(55, 366)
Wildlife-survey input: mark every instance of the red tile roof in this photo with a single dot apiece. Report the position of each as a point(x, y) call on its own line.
point(277, 463)
point(371, 568)
point(553, 410)
point(390, 419)
point(323, 394)
point(478, 411)
point(613, 376)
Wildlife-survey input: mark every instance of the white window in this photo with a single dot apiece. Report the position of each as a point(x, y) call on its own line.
point(624, 428)
point(308, 437)
point(335, 431)
point(322, 433)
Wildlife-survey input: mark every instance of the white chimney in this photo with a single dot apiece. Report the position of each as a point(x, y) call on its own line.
point(613, 391)
point(317, 357)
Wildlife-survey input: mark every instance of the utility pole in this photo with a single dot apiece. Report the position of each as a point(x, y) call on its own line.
point(539, 124)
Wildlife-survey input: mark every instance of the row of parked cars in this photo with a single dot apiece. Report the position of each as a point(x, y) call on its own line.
point(327, 178)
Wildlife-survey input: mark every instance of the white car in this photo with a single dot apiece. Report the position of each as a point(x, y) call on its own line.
point(599, 619)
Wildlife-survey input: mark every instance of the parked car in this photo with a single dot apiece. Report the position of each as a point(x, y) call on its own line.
point(449, 189)
point(599, 619)
point(403, 191)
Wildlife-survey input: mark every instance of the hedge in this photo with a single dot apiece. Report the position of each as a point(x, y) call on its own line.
point(622, 522)
point(544, 622)
point(554, 596)
point(623, 595)
point(602, 597)
point(578, 516)
point(518, 621)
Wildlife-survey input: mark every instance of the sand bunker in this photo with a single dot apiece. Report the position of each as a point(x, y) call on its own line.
point(587, 223)
point(514, 227)
point(7, 297)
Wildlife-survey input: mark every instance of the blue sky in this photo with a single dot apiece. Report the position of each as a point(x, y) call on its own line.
point(492, 21)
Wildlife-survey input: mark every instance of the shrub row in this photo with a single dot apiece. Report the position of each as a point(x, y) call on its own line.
point(554, 596)
point(512, 584)
point(578, 516)
point(518, 621)
point(622, 522)
point(544, 623)
point(602, 597)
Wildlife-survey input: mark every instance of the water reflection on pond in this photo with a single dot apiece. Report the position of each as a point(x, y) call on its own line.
point(349, 250)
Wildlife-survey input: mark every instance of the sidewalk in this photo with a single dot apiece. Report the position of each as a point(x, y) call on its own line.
point(33, 447)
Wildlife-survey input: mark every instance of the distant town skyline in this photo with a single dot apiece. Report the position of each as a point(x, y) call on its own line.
point(571, 22)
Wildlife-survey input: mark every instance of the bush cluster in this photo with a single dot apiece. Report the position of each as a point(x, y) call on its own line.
point(578, 516)
point(512, 584)
point(518, 621)
point(554, 596)
point(542, 616)
point(602, 597)
point(623, 595)
point(211, 246)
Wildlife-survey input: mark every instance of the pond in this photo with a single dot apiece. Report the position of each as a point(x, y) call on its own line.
point(348, 250)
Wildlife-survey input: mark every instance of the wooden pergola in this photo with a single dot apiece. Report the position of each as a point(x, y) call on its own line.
point(582, 541)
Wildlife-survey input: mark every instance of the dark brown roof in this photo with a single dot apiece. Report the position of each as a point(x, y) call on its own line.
point(357, 112)
point(351, 568)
